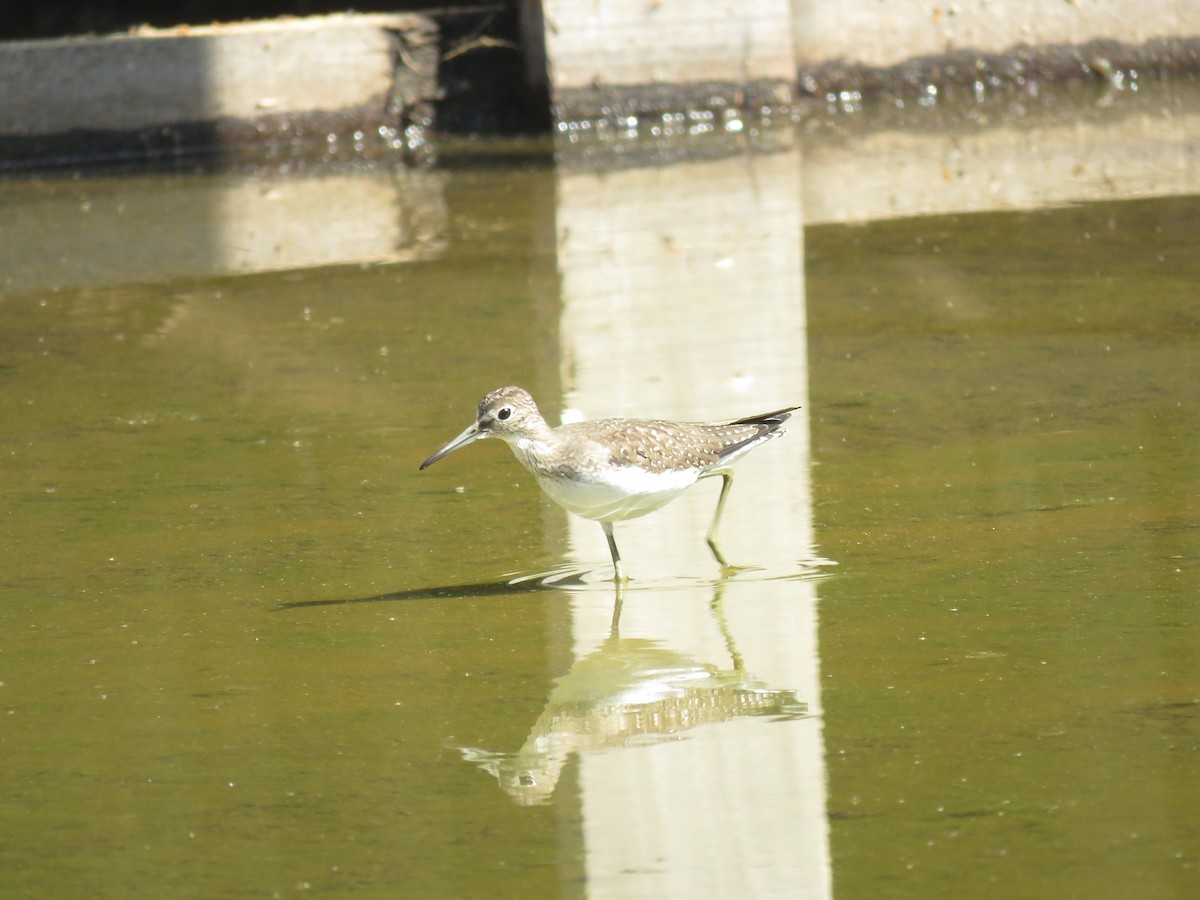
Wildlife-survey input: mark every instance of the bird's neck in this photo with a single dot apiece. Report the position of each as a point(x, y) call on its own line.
point(541, 453)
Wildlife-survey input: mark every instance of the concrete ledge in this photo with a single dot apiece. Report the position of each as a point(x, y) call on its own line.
point(1019, 66)
point(160, 91)
point(634, 58)
point(622, 63)
point(625, 58)
point(625, 104)
point(877, 35)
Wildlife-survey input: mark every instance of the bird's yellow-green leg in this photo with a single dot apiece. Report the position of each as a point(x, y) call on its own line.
point(713, 544)
point(619, 573)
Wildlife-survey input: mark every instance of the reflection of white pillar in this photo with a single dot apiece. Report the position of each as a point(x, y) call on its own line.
point(683, 297)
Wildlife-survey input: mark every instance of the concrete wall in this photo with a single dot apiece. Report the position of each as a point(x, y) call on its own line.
point(157, 89)
point(625, 61)
point(883, 33)
point(695, 54)
point(634, 57)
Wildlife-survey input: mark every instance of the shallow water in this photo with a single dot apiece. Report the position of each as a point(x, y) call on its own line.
point(1008, 480)
point(247, 649)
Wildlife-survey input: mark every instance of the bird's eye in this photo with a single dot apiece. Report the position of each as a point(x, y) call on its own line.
point(504, 413)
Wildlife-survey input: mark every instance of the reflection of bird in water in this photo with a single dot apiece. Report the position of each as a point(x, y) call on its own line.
point(616, 469)
point(628, 692)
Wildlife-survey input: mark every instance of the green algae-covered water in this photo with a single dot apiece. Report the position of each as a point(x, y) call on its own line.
point(246, 649)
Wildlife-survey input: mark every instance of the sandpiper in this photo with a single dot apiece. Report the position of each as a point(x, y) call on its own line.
point(610, 470)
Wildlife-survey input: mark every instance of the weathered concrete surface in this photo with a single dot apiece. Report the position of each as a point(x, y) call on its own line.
point(157, 90)
point(625, 58)
point(867, 46)
point(880, 35)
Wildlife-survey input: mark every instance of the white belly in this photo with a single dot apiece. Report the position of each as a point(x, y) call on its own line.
point(625, 494)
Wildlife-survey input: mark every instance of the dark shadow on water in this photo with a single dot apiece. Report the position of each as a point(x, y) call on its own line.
point(563, 577)
point(516, 585)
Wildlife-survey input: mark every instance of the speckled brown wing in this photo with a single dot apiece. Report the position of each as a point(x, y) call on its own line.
point(659, 446)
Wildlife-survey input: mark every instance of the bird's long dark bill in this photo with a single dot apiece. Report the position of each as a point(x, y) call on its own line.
point(471, 434)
